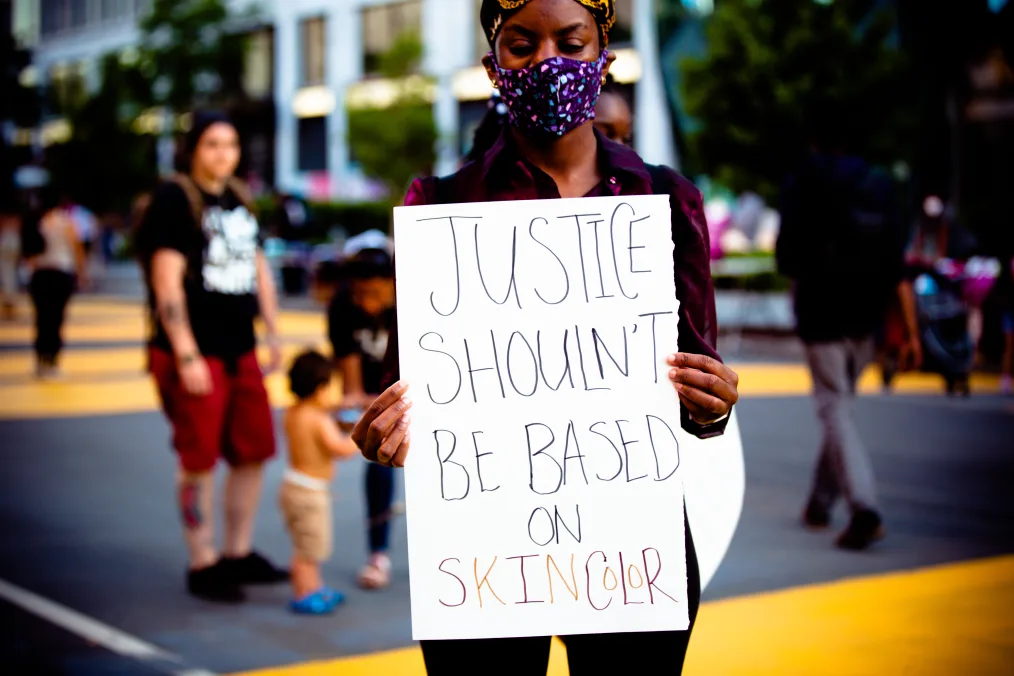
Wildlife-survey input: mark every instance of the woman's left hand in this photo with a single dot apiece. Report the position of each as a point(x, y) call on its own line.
point(706, 386)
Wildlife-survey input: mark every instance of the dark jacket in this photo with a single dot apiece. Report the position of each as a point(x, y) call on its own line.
point(842, 243)
point(503, 174)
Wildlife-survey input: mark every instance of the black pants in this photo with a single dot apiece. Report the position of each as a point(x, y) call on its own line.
point(50, 291)
point(379, 495)
point(660, 652)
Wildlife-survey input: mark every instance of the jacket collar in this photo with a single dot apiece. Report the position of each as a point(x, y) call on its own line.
point(616, 161)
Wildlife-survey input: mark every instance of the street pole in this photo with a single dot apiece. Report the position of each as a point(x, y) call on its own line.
point(653, 135)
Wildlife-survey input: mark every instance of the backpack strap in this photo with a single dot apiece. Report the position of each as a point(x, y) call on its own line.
point(242, 192)
point(193, 194)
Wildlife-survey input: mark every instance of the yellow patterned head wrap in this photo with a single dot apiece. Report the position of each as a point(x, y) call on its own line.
point(495, 12)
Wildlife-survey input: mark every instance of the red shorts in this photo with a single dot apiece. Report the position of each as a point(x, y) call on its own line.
point(233, 422)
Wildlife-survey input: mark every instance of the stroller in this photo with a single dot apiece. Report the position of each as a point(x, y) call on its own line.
point(943, 327)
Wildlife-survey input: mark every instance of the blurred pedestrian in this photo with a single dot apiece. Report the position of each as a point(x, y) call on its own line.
point(842, 243)
point(1005, 293)
point(314, 442)
point(200, 247)
point(86, 225)
point(359, 320)
point(613, 116)
point(544, 155)
point(10, 258)
point(56, 258)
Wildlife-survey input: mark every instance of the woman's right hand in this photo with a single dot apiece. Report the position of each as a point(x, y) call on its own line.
point(382, 432)
point(195, 376)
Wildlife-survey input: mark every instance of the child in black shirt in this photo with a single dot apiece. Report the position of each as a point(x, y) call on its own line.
point(359, 318)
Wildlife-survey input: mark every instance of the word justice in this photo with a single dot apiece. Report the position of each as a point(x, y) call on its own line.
point(523, 363)
point(600, 579)
point(594, 265)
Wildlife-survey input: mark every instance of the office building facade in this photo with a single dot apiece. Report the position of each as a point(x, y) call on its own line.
point(309, 60)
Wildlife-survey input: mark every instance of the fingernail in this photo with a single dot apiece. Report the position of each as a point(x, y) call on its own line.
point(674, 373)
point(678, 386)
point(671, 359)
point(405, 420)
point(408, 402)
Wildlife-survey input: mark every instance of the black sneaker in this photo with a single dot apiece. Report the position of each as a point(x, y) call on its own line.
point(865, 528)
point(816, 516)
point(214, 584)
point(254, 569)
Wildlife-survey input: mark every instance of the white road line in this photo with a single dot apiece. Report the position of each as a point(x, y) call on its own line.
point(92, 630)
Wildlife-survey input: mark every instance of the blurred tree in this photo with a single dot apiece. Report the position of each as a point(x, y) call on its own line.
point(19, 105)
point(106, 163)
point(189, 54)
point(396, 143)
point(774, 66)
point(192, 55)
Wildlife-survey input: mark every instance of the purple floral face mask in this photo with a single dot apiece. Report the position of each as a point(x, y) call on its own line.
point(553, 97)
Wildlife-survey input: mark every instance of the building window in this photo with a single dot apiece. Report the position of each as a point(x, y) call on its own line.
point(78, 13)
point(481, 43)
point(53, 16)
point(383, 25)
point(115, 10)
point(312, 144)
point(313, 34)
point(623, 29)
point(141, 7)
point(258, 66)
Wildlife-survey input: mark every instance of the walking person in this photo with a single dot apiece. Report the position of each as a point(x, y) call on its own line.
point(842, 244)
point(57, 262)
point(359, 318)
point(208, 280)
point(10, 258)
point(542, 156)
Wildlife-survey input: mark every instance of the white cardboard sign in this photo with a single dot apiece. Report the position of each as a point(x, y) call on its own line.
point(543, 488)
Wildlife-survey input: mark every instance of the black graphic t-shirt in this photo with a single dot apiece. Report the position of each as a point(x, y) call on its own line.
point(221, 279)
point(352, 331)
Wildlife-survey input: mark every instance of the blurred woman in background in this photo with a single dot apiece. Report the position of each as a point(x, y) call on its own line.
point(58, 264)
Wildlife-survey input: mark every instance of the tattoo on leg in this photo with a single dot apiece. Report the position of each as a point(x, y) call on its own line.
point(190, 505)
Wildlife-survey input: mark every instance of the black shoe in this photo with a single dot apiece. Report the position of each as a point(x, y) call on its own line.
point(865, 528)
point(815, 516)
point(214, 584)
point(253, 569)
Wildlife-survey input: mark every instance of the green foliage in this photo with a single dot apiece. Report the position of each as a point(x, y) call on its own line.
point(188, 53)
point(396, 143)
point(353, 217)
point(105, 164)
point(773, 65)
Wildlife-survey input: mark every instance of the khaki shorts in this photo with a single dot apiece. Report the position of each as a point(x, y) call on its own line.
point(307, 515)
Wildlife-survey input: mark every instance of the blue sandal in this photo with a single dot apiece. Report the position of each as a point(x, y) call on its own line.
point(317, 603)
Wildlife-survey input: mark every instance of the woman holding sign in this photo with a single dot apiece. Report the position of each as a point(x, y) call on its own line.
point(551, 150)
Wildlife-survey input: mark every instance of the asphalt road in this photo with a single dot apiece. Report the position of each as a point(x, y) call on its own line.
point(87, 520)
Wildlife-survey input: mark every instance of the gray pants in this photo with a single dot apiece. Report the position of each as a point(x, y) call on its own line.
point(844, 466)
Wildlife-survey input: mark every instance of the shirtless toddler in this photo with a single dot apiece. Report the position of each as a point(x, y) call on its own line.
point(315, 442)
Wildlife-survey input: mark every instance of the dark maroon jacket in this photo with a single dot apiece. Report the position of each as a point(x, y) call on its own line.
point(503, 174)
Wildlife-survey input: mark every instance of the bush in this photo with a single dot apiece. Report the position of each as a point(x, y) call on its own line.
point(767, 282)
point(352, 217)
